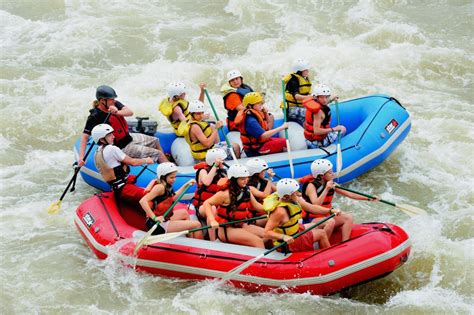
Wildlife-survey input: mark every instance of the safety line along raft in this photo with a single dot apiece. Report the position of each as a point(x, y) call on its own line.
point(373, 251)
point(376, 125)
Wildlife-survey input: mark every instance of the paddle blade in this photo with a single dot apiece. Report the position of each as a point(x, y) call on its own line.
point(54, 208)
point(144, 239)
point(411, 210)
point(164, 237)
point(229, 275)
point(339, 159)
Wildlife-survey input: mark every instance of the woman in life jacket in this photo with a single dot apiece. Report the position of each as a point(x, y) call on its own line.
point(260, 187)
point(317, 129)
point(107, 110)
point(201, 135)
point(254, 131)
point(160, 197)
point(319, 189)
point(175, 107)
point(209, 176)
point(232, 204)
point(233, 93)
point(285, 207)
point(297, 88)
point(113, 163)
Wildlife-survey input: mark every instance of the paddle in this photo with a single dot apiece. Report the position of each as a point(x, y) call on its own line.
point(150, 231)
point(285, 107)
point(229, 145)
point(339, 153)
point(408, 209)
point(246, 264)
point(164, 237)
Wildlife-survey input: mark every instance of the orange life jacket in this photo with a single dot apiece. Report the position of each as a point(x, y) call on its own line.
point(312, 108)
point(203, 192)
point(231, 113)
point(238, 212)
point(309, 179)
point(249, 142)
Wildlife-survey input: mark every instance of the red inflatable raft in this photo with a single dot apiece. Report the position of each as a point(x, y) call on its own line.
point(374, 250)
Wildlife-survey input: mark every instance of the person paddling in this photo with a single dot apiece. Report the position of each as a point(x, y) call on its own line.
point(160, 197)
point(135, 145)
point(233, 93)
point(317, 129)
point(285, 208)
point(113, 163)
point(232, 203)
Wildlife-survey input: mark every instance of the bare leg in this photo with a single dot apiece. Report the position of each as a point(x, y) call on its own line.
point(180, 214)
point(236, 148)
point(327, 226)
point(321, 237)
point(241, 237)
point(183, 225)
point(345, 221)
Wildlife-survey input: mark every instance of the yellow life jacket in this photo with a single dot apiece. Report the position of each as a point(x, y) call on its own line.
point(226, 89)
point(166, 108)
point(304, 89)
point(290, 227)
point(198, 150)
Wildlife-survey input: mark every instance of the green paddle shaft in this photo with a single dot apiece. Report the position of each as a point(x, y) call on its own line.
point(285, 106)
point(366, 195)
point(230, 223)
point(174, 203)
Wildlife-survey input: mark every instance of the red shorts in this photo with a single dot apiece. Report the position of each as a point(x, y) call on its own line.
point(274, 145)
point(304, 243)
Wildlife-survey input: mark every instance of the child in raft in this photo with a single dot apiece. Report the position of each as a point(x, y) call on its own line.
point(161, 196)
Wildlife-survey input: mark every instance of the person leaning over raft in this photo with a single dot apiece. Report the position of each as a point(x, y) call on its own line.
point(135, 145)
point(317, 130)
point(175, 107)
point(254, 132)
point(161, 196)
point(201, 135)
point(233, 93)
point(113, 163)
point(232, 204)
point(297, 88)
point(285, 207)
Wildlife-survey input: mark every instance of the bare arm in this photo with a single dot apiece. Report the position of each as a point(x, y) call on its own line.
point(312, 208)
point(182, 188)
point(131, 161)
point(256, 205)
point(313, 196)
point(276, 218)
point(145, 201)
point(220, 198)
point(207, 142)
point(178, 114)
point(269, 133)
point(125, 111)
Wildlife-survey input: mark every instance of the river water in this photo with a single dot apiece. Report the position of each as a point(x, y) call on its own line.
point(54, 53)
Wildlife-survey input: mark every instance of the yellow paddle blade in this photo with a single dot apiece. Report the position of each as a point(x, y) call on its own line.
point(144, 239)
point(164, 237)
point(54, 208)
point(411, 210)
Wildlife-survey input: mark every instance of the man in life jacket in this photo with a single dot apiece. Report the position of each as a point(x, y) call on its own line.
point(136, 145)
point(297, 88)
point(285, 207)
point(201, 135)
point(113, 163)
point(175, 107)
point(317, 129)
point(254, 131)
point(233, 93)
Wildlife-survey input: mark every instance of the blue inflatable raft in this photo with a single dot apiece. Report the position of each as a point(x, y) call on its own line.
point(376, 125)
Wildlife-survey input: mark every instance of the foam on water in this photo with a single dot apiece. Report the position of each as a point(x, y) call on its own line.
point(55, 54)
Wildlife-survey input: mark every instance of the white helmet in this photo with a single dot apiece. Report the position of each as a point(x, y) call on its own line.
point(196, 106)
point(213, 154)
point(165, 168)
point(100, 131)
point(320, 167)
point(232, 74)
point(237, 171)
point(321, 89)
point(300, 65)
point(256, 165)
point(175, 89)
point(287, 186)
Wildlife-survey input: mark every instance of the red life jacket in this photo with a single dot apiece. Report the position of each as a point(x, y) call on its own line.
point(249, 142)
point(238, 212)
point(309, 179)
point(260, 184)
point(202, 193)
point(120, 125)
point(163, 202)
point(312, 108)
